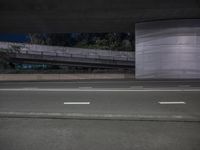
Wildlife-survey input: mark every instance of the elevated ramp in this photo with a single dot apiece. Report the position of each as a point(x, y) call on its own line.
point(56, 55)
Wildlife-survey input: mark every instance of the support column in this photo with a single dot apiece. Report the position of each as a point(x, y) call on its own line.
point(168, 49)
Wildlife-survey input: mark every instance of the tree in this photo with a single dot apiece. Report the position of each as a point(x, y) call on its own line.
point(107, 41)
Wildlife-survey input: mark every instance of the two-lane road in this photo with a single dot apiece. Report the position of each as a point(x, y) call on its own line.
point(114, 115)
point(128, 103)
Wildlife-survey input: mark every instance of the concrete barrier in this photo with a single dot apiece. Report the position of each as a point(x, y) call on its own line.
point(60, 77)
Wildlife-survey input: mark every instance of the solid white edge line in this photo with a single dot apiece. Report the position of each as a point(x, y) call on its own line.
point(76, 103)
point(101, 90)
point(85, 87)
point(171, 103)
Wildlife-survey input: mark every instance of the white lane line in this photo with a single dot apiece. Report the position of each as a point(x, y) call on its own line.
point(76, 103)
point(172, 103)
point(85, 87)
point(100, 90)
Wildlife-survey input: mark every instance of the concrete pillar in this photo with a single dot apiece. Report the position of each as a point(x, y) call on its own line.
point(168, 49)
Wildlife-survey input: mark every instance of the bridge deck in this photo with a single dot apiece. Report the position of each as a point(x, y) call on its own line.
point(27, 53)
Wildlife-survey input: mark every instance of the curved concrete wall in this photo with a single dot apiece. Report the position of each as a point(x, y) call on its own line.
point(168, 49)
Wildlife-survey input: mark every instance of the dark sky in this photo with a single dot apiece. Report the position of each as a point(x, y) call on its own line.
point(14, 37)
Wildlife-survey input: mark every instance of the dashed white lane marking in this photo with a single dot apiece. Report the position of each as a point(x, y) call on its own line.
point(76, 103)
point(172, 103)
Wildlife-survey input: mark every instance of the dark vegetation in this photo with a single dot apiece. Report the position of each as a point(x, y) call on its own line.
point(106, 41)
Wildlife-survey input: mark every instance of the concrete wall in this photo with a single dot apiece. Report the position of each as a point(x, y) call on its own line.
point(168, 49)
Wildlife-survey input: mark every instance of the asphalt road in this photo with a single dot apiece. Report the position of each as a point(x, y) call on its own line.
point(102, 84)
point(100, 115)
point(66, 134)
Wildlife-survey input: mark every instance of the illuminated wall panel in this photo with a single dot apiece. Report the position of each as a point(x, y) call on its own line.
point(168, 49)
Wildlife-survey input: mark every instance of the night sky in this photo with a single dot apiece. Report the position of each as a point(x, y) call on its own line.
point(14, 38)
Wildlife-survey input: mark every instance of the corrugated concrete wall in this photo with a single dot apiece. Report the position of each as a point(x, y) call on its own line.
point(168, 49)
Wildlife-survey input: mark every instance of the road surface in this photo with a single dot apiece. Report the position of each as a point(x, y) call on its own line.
point(143, 115)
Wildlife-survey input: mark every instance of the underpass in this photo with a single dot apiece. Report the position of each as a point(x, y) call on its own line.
point(125, 115)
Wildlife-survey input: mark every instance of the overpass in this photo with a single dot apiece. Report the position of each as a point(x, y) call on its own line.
point(117, 115)
point(55, 55)
point(89, 15)
point(163, 17)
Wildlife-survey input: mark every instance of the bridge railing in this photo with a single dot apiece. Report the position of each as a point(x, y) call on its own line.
point(68, 52)
point(70, 55)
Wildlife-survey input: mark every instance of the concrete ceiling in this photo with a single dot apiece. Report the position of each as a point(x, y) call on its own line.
point(23, 16)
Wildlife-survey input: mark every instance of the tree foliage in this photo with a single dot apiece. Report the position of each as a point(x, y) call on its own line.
point(107, 41)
